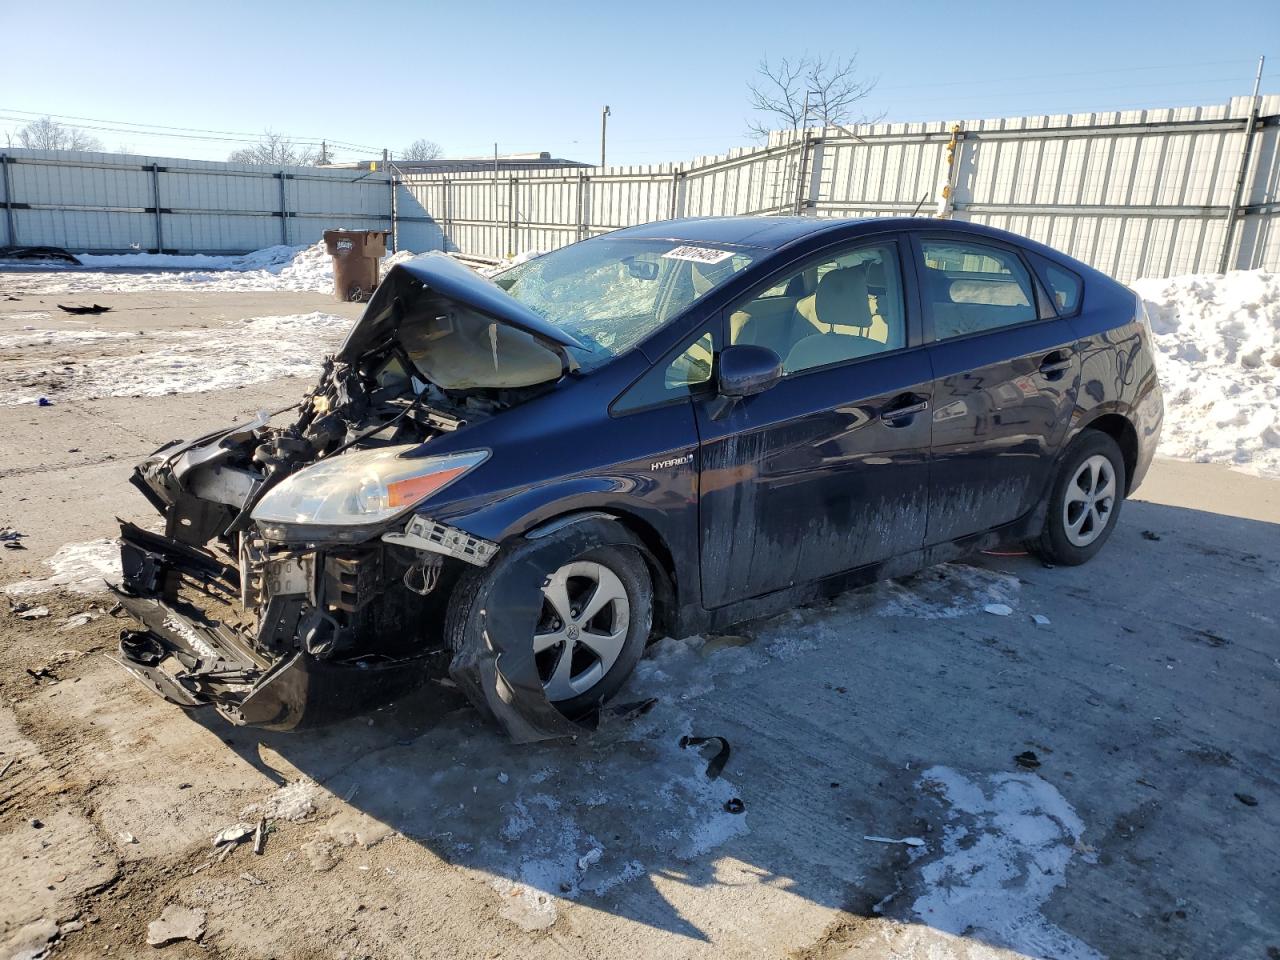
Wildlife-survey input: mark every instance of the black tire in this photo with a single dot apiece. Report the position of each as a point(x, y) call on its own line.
point(472, 592)
point(1054, 545)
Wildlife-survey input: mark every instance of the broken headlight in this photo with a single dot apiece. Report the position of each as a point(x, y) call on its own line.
point(361, 488)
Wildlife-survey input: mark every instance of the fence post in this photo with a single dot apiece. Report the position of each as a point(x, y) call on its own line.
point(815, 174)
point(5, 161)
point(284, 211)
point(446, 202)
point(155, 197)
point(580, 208)
point(391, 182)
point(512, 238)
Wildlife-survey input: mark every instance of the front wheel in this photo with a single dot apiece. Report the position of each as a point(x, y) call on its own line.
point(1084, 502)
point(594, 622)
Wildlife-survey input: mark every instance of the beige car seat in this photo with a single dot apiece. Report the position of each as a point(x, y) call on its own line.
point(841, 309)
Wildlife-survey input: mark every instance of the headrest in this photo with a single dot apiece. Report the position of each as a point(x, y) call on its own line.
point(842, 298)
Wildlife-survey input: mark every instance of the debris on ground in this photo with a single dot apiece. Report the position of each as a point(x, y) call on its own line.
point(75, 621)
point(591, 857)
point(11, 538)
point(734, 805)
point(260, 837)
point(44, 402)
point(998, 609)
point(1248, 799)
point(1150, 535)
point(126, 837)
point(906, 841)
point(56, 254)
point(95, 309)
point(5, 769)
point(236, 833)
point(176, 923)
point(1027, 760)
point(1040, 620)
point(31, 941)
point(251, 879)
point(716, 764)
point(43, 673)
point(26, 611)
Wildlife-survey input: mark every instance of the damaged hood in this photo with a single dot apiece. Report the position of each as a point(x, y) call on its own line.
point(461, 329)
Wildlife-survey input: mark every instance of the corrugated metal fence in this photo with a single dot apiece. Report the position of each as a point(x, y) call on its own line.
point(1136, 193)
point(111, 203)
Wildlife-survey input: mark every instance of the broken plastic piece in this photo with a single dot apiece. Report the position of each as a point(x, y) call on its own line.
point(1027, 760)
point(999, 609)
point(907, 841)
point(716, 764)
point(734, 805)
point(1040, 619)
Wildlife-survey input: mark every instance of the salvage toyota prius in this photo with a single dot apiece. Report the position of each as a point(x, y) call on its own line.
point(659, 431)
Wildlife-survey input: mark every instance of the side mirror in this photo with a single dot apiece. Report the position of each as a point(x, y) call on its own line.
point(746, 369)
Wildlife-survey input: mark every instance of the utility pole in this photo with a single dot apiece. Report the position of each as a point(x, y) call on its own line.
point(604, 128)
point(324, 153)
point(1237, 195)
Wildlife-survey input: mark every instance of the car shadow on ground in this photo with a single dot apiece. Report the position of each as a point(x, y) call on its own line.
point(1046, 766)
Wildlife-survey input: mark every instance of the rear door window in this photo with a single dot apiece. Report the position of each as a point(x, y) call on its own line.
point(971, 288)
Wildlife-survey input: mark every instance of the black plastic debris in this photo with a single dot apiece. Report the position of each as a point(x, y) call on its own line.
point(38, 253)
point(44, 402)
point(1248, 799)
point(734, 805)
point(96, 308)
point(715, 766)
point(1150, 535)
point(634, 709)
point(1027, 760)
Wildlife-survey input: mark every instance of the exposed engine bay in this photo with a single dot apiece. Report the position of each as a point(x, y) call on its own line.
point(292, 559)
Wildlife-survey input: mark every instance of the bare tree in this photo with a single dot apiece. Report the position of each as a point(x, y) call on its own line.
point(795, 92)
point(47, 134)
point(420, 150)
point(275, 150)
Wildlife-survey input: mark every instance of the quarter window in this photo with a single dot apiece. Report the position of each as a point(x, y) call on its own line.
point(971, 288)
point(673, 380)
point(1066, 287)
point(841, 307)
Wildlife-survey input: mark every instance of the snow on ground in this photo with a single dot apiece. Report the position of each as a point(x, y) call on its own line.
point(78, 567)
point(1007, 840)
point(253, 350)
point(1218, 338)
point(274, 268)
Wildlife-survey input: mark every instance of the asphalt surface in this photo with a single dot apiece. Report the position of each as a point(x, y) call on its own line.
point(1141, 821)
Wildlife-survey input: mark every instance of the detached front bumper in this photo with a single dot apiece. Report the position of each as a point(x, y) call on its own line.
point(267, 676)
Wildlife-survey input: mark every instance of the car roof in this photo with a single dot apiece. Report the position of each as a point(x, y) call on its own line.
point(774, 233)
point(756, 231)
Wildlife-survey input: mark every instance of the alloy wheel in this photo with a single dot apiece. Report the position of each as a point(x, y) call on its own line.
point(582, 629)
point(1089, 500)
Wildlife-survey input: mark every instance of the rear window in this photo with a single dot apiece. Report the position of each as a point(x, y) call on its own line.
point(1065, 286)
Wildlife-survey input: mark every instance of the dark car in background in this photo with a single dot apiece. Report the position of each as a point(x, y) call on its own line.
point(659, 431)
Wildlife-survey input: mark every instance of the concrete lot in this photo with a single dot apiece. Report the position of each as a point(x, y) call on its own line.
point(1149, 828)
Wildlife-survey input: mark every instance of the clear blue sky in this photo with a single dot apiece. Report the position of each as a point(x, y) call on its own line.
point(468, 73)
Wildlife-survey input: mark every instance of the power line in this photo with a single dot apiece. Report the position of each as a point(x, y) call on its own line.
point(180, 133)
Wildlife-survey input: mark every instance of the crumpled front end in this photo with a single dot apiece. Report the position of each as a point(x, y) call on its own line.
point(282, 638)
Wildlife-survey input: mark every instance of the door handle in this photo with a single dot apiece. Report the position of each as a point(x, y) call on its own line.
point(1056, 363)
point(908, 406)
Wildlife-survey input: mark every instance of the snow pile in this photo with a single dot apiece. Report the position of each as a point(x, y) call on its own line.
point(253, 350)
point(305, 268)
point(507, 263)
point(1218, 338)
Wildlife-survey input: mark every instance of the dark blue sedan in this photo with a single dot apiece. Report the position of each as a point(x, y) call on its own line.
point(660, 431)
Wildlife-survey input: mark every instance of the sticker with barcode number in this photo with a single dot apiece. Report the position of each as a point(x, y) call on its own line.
point(698, 254)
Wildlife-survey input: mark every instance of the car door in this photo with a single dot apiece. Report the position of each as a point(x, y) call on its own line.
point(827, 470)
point(1005, 380)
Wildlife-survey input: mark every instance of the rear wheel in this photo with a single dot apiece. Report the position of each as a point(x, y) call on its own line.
point(1084, 502)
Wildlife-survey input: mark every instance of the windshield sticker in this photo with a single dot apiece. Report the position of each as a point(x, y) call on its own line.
point(698, 254)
